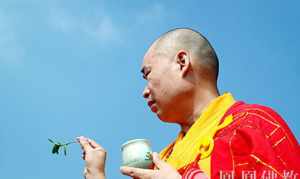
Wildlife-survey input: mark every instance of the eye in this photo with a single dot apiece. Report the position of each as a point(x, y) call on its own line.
point(146, 72)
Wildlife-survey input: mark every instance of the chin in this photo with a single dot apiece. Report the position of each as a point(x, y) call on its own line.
point(164, 118)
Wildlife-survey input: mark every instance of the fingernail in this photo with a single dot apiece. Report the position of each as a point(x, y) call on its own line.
point(85, 138)
point(81, 138)
point(121, 169)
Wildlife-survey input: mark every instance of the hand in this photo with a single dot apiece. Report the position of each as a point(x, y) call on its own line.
point(164, 171)
point(94, 156)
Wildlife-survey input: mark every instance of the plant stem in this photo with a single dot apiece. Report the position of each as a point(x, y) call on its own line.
point(70, 143)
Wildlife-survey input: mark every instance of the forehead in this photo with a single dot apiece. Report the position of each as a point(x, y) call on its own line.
point(149, 59)
point(154, 56)
point(149, 55)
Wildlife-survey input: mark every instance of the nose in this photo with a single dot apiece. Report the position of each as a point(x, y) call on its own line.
point(146, 92)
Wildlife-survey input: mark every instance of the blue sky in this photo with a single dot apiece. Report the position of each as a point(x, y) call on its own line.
point(70, 68)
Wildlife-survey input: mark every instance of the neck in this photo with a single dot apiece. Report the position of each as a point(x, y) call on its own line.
point(201, 99)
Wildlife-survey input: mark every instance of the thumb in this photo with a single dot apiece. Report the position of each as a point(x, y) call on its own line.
point(158, 162)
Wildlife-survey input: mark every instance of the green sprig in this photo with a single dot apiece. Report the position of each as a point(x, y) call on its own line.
point(59, 145)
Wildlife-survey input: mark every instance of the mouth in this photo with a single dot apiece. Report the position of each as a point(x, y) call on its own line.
point(150, 103)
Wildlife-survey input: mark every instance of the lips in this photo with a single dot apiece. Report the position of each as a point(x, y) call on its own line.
point(152, 106)
point(150, 103)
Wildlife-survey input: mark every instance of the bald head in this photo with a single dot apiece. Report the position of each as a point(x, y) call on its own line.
point(193, 42)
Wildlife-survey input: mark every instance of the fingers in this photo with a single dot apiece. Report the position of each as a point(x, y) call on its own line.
point(136, 172)
point(88, 145)
point(84, 143)
point(158, 162)
point(94, 144)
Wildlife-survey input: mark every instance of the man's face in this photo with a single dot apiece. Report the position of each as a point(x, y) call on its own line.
point(162, 91)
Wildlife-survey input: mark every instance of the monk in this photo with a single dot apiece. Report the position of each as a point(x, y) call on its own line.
point(220, 137)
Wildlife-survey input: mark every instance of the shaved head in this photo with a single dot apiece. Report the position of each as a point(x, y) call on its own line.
point(181, 69)
point(192, 41)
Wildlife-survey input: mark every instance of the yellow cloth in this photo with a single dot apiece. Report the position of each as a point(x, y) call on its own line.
point(199, 138)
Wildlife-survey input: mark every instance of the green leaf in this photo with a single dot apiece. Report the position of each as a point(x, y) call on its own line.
point(55, 149)
point(50, 140)
point(58, 145)
point(65, 150)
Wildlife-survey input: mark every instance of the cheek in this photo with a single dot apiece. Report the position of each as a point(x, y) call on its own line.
point(155, 88)
point(165, 92)
point(163, 86)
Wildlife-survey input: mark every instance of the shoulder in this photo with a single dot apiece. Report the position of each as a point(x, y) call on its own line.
point(260, 113)
point(258, 136)
point(263, 118)
point(258, 125)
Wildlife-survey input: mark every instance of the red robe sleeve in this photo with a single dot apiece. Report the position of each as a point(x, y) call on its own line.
point(258, 144)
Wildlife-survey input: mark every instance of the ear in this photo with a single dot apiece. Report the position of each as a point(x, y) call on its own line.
point(183, 60)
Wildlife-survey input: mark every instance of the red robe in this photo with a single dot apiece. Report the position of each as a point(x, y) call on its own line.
point(257, 144)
